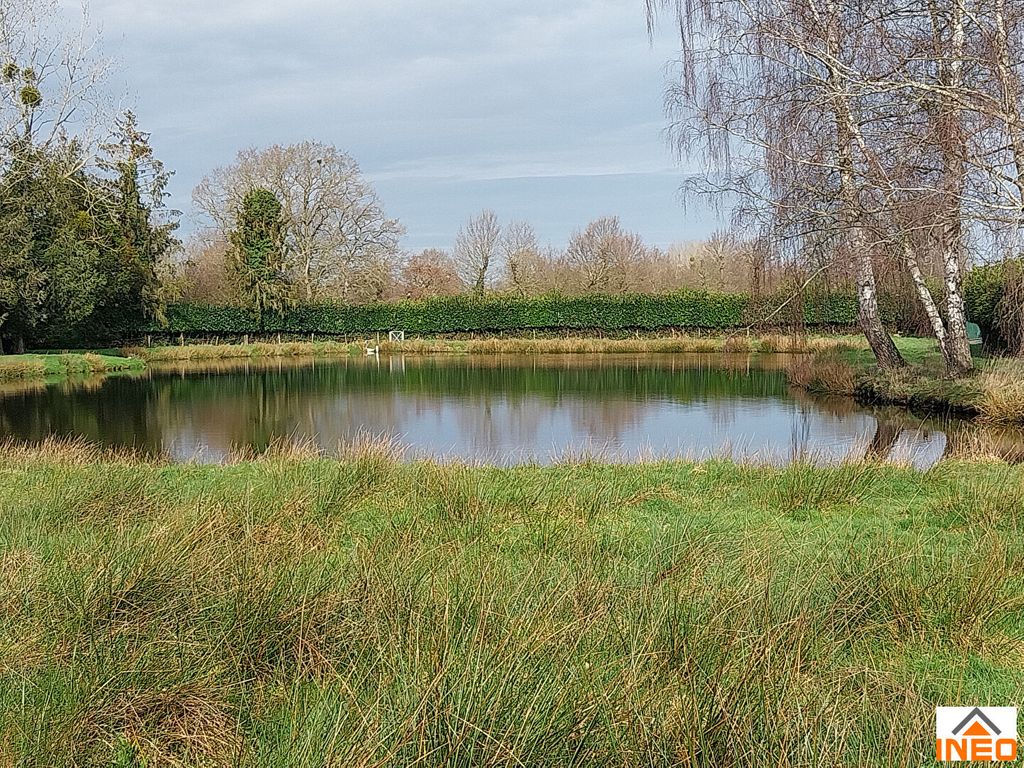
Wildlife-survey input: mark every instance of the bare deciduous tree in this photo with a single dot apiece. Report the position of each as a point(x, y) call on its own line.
point(203, 275)
point(476, 250)
point(338, 235)
point(717, 251)
point(604, 255)
point(865, 132)
point(430, 272)
point(52, 78)
point(522, 257)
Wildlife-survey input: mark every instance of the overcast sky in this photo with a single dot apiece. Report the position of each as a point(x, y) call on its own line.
point(545, 111)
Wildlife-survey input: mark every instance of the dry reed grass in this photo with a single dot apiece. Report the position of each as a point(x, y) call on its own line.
point(822, 375)
point(495, 346)
point(21, 369)
point(72, 452)
point(737, 344)
point(364, 446)
point(1002, 391)
point(232, 351)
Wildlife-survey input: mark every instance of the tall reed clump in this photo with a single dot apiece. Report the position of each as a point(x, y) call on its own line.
point(737, 344)
point(796, 343)
point(779, 343)
point(822, 374)
point(289, 610)
point(1002, 391)
point(22, 367)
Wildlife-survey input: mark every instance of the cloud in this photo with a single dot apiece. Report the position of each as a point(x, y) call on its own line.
point(456, 91)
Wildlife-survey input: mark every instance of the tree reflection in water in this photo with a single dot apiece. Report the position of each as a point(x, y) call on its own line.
point(501, 409)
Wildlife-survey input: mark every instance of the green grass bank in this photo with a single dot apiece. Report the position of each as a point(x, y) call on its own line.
point(41, 366)
point(289, 610)
point(994, 393)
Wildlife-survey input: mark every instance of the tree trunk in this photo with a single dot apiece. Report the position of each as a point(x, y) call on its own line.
point(1010, 86)
point(847, 132)
point(868, 313)
point(307, 279)
point(957, 349)
point(757, 269)
point(925, 296)
point(19, 345)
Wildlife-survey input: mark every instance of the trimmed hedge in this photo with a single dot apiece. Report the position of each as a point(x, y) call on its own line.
point(461, 314)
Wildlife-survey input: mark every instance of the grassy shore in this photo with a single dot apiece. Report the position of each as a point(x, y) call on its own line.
point(40, 366)
point(995, 393)
point(288, 610)
point(569, 345)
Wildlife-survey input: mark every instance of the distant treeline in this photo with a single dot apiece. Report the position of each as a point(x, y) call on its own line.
point(696, 310)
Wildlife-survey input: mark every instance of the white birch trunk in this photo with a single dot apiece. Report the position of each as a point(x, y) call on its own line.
point(957, 349)
point(925, 296)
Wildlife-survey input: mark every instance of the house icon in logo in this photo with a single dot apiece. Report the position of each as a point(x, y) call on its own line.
point(977, 723)
point(981, 734)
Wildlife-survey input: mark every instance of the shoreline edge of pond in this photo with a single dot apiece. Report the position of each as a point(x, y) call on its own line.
point(832, 365)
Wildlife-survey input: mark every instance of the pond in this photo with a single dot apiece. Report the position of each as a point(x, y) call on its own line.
point(495, 409)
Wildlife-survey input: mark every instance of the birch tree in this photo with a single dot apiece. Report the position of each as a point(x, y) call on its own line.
point(766, 98)
point(891, 128)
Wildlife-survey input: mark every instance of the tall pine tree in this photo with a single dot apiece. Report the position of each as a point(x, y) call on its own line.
point(141, 228)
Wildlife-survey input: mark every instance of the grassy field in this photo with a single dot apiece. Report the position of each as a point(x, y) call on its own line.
point(567, 345)
point(288, 610)
point(39, 366)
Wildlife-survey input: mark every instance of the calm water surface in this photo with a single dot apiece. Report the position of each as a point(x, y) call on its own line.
point(502, 409)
